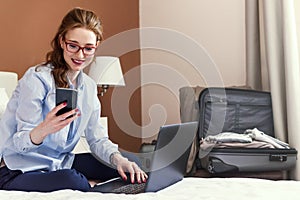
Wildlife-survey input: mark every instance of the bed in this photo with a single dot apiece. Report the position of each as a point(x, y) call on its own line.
point(188, 188)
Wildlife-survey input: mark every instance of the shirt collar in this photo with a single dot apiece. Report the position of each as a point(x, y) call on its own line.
point(79, 81)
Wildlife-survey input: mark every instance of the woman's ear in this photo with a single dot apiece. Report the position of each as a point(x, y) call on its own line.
point(97, 43)
point(61, 42)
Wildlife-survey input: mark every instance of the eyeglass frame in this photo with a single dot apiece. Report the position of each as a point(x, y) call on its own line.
point(80, 48)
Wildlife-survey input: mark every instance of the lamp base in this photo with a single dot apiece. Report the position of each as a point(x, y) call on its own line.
point(104, 89)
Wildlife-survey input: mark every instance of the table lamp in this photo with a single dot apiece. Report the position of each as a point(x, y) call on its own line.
point(106, 71)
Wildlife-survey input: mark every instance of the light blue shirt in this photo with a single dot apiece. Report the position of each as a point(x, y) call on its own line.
point(33, 98)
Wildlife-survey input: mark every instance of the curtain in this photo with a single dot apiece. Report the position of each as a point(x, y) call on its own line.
point(272, 64)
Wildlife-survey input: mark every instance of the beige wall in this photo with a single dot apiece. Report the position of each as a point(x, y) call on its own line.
point(215, 27)
point(297, 13)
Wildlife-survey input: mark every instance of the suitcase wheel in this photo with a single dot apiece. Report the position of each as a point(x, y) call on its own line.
point(217, 166)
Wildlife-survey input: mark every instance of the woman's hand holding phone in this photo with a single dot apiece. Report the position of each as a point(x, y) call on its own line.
point(53, 123)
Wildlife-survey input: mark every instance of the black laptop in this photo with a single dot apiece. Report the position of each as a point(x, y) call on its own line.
point(168, 163)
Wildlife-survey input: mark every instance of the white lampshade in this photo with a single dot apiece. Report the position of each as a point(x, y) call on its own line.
point(106, 70)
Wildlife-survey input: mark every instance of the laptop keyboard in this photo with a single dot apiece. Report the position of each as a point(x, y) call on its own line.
point(134, 188)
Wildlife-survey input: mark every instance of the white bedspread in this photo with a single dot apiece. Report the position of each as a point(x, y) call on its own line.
point(188, 188)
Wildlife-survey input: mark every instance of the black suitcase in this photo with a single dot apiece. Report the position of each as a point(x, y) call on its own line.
point(236, 110)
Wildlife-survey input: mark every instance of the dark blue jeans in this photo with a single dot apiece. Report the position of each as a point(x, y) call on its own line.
point(85, 167)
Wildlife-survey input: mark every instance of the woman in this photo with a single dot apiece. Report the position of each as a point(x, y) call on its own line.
point(36, 144)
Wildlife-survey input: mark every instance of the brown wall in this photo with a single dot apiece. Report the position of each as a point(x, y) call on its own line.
point(27, 27)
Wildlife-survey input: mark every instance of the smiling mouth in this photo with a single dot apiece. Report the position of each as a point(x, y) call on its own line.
point(77, 62)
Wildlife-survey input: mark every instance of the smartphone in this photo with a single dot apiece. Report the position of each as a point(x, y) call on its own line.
point(67, 95)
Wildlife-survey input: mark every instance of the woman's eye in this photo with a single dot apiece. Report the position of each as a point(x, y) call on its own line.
point(88, 49)
point(72, 46)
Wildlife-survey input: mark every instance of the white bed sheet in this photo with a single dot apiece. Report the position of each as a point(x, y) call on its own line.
point(188, 188)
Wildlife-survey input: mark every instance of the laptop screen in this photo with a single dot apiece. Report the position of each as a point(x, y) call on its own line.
point(171, 154)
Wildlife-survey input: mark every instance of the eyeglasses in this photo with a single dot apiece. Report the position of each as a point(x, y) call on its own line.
point(74, 48)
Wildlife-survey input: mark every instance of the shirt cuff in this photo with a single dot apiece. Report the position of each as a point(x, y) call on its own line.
point(111, 157)
point(23, 142)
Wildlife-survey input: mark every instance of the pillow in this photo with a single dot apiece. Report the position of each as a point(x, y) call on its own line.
point(3, 101)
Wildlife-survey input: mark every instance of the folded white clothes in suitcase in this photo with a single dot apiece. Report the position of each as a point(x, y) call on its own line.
point(230, 139)
point(260, 136)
